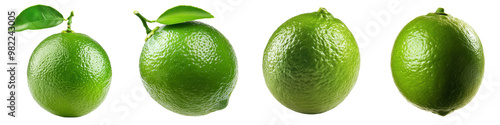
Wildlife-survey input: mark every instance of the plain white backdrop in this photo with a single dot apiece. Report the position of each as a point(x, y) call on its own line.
point(248, 25)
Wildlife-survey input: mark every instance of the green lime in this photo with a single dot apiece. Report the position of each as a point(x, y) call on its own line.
point(69, 74)
point(189, 68)
point(438, 62)
point(311, 62)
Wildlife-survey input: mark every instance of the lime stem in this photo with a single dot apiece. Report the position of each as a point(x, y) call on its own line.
point(144, 20)
point(322, 10)
point(68, 30)
point(440, 11)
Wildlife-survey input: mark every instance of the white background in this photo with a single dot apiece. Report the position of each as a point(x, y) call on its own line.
point(248, 25)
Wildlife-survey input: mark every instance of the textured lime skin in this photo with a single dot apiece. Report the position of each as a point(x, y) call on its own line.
point(189, 68)
point(311, 62)
point(437, 63)
point(69, 74)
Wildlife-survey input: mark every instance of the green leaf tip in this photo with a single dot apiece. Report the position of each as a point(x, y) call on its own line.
point(182, 13)
point(38, 17)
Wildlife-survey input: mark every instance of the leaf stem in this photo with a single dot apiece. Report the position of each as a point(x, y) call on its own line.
point(144, 20)
point(69, 22)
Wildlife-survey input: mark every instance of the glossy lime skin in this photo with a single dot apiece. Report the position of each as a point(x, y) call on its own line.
point(311, 62)
point(189, 68)
point(69, 74)
point(437, 63)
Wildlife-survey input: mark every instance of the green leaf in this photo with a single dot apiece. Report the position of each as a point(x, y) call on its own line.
point(38, 17)
point(181, 14)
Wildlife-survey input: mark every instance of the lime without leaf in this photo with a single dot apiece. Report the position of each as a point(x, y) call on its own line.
point(187, 66)
point(438, 62)
point(311, 62)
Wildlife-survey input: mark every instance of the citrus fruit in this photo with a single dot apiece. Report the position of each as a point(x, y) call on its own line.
point(311, 62)
point(189, 68)
point(437, 62)
point(69, 74)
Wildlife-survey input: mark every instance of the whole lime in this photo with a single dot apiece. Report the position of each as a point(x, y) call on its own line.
point(189, 68)
point(438, 62)
point(311, 62)
point(69, 74)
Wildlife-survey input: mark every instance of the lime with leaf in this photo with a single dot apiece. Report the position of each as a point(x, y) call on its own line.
point(69, 73)
point(187, 66)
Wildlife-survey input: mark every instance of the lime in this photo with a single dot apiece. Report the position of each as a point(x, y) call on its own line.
point(69, 74)
point(189, 68)
point(438, 62)
point(311, 62)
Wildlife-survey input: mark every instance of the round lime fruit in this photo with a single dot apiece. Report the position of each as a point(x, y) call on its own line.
point(69, 74)
point(311, 62)
point(437, 62)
